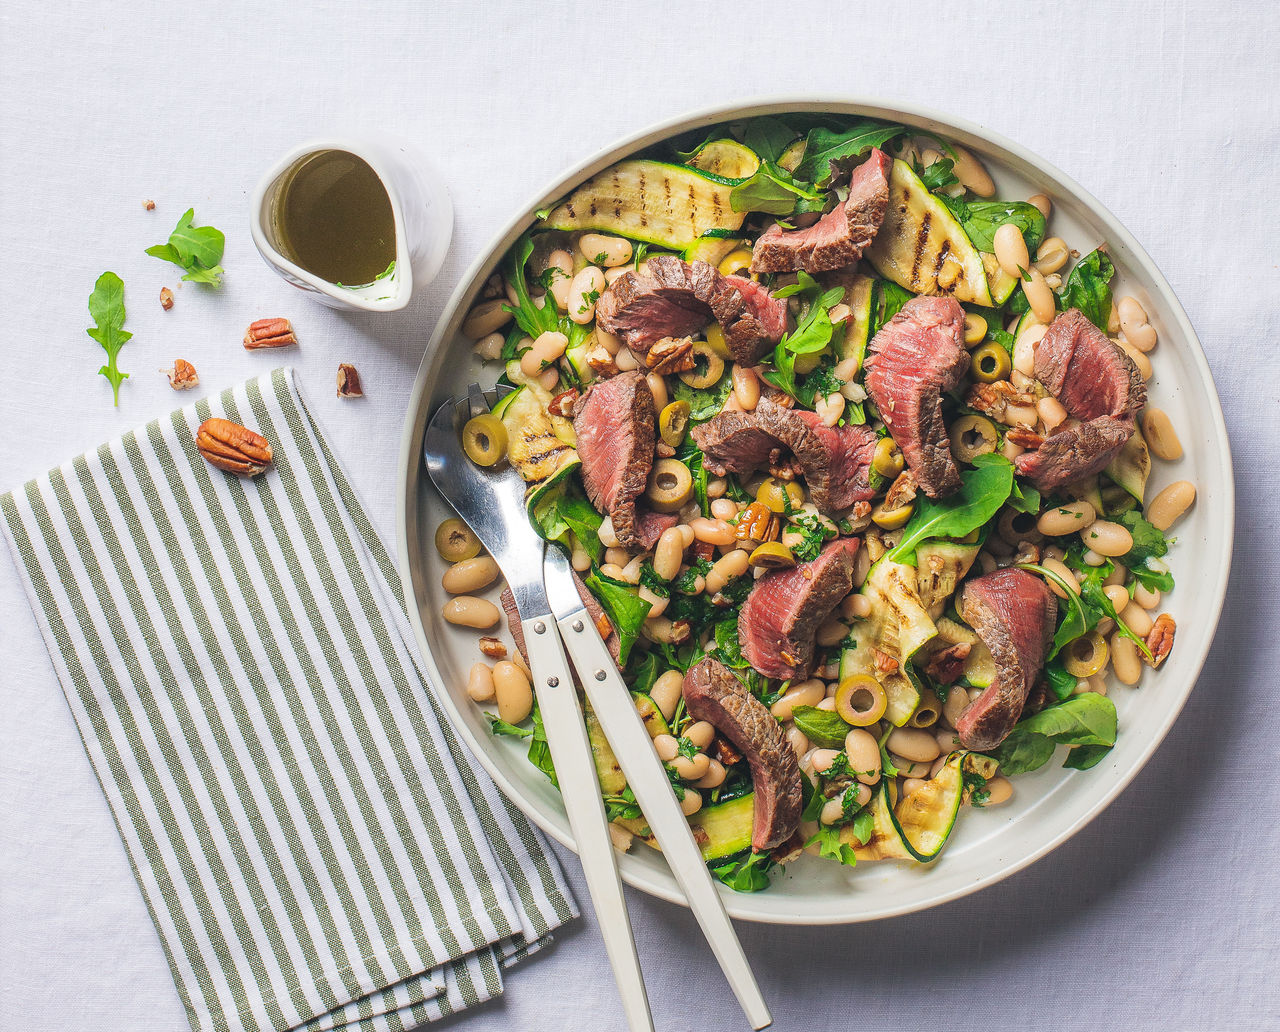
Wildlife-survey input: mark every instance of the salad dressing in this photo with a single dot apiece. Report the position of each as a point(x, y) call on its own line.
point(333, 218)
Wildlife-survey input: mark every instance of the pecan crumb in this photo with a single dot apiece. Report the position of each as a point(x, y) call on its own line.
point(269, 333)
point(349, 382)
point(182, 377)
point(149, 205)
point(166, 298)
point(493, 648)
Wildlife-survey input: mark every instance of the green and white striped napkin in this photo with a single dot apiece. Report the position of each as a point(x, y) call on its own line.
point(316, 849)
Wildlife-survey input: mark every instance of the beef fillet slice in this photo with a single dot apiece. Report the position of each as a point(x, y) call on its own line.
point(917, 356)
point(614, 422)
point(782, 614)
point(673, 298)
point(1101, 389)
point(1013, 612)
point(835, 461)
point(713, 693)
point(840, 236)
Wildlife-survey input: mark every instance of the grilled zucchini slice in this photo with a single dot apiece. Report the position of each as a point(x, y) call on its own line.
point(728, 159)
point(1131, 466)
point(857, 328)
point(539, 454)
point(924, 819)
point(885, 842)
point(918, 236)
point(653, 201)
point(721, 830)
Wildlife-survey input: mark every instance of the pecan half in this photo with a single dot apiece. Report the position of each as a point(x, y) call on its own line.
point(902, 491)
point(182, 377)
point(601, 361)
point(725, 752)
point(269, 333)
point(991, 398)
point(166, 298)
point(946, 665)
point(1160, 639)
point(493, 647)
point(233, 447)
point(885, 663)
point(349, 381)
point(1024, 437)
point(603, 626)
point(670, 355)
point(757, 523)
point(148, 205)
point(562, 403)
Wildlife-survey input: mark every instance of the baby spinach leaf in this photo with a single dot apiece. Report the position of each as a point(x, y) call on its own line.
point(562, 513)
point(1061, 683)
point(626, 609)
point(1083, 757)
point(539, 751)
point(937, 176)
point(106, 305)
point(828, 152)
point(197, 249)
point(889, 299)
point(498, 726)
point(773, 190)
point(822, 727)
point(1082, 720)
point(983, 489)
point(1024, 497)
point(745, 871)
point(728, 646)
point(768, 137)
point(981, 219)
point(1087, 288)
point(703, 402)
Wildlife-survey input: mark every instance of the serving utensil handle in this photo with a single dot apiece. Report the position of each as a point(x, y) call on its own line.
point(580, 787)
point(615, 709)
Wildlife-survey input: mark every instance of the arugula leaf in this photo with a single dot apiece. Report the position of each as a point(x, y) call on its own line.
point(745, 871)
point(197, 249)
point(889, 299)
point(1091, 592)
point(768, 137)
point(812, 334)
point(1149, 541)
point(773, 190)
point(1087, 288)
point(498, 726)
point(562, 514)
point(106, 305)
point(828, 152)
point(822, 727)
point(937, 176)
point(703, 402)
point(532, 319)
point(539, 752)
point(728, 645)
point(983, 489)
point(627, 610)
point(1082, 720)
point(981, 219)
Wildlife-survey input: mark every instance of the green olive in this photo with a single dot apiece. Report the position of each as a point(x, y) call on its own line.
point(1085, 656)
point(772, 555)
point(736, 263)
point(887, 459)
point(775, 494)
point(990, 363)
point(703, 353)
point(670, 485)
point(892, 519)
point(484, 439)
point(972, 436)
point(716, 341)
point(456, 541)
point(673, 421)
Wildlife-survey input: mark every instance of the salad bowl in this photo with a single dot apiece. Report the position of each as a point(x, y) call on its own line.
point(1052, 803)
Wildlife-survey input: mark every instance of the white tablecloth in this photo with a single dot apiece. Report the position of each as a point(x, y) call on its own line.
point(1163, 911)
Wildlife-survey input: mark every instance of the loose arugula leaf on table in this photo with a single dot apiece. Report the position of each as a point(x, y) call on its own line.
point(981, 219)
point(1088, 288)
point(774, 191)
point(627, 610)
point(197, 249)
point(745, 871)
point(828, 152)
point(983, 489)
point(106, 305)
point(1082, 720)
point(822, 727)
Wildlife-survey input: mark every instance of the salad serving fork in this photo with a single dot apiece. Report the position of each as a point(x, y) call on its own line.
point(554, 618)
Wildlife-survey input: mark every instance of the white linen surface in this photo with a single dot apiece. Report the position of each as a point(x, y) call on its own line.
point(1163, 911)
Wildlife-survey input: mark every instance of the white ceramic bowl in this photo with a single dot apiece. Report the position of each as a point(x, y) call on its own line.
point(1050, 805)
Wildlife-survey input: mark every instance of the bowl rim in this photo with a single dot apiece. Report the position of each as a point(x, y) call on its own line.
point(660, 883)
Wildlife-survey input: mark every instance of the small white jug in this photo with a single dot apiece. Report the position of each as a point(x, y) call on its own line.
point(420, 206)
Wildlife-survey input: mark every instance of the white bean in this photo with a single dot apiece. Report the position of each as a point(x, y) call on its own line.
point(470, 575)
point(584, 292)
point(609, 251)
point(830, 408)
point(489, 347)
point(1024, 349)
point(546, 348)
point(1125, 659)
point(972, 174)
point(480, 682)
point(1160, 435)
point(485, 318)
point(728, 567)
point(1041, 203)
point(562, 262)
point(1066, 519)
point(1052, 412)
point(468, 611)
point(1011, 250)
point(513, 691)
point(806, 693)
point(666, 691)
point(1039, 296)
point(1137, 330)
point(1166, 508)
point(1107, 539)
point(1052, 255)
point(668, 553)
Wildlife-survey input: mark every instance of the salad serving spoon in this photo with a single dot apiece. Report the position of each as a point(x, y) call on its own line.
point(491, 501)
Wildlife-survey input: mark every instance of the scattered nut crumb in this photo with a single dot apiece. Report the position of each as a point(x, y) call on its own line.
point(182, 377)
point(349, 382)
point(166, 298)
point(493, 648)
point(269, 333)
point(149, 205)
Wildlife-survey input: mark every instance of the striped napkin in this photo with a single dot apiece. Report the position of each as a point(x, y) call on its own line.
point(314, 846)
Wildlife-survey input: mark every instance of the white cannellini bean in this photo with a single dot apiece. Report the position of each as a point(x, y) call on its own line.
point(1107, 538)
point(1160, 435)
point(1041, 203)
point(830, 408)
point(562, 262)
point(513, 691)
point(1024, 348)
point(972, 173)
point(1011, 250)
point(480, 682)
point(489, 347)
point(485, 318)
point(1039, 297)
point(1166, 508)
point(584, 292)
point(609, 251)
point(1052, 255)
point(1134, 323)
point(546, 348)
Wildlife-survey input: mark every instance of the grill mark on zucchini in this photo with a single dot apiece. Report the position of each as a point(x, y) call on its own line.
point(921, 245)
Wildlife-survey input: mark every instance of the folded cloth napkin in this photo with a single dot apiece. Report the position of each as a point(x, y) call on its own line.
point(316, 849)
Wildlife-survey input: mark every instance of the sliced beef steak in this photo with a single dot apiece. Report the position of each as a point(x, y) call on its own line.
point(840, 236)
point(713, 693)
point(1013, 612)
point(673, 298)
point(917, 356)
point(780, 617)
point(614, 422)
point(1086, 371)
point(1097, 384)
point(594, 610)
point(834, 460)
point(1075, 452)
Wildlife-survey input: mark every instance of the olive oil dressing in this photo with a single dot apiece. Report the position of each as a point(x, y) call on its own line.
point(332, 216)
